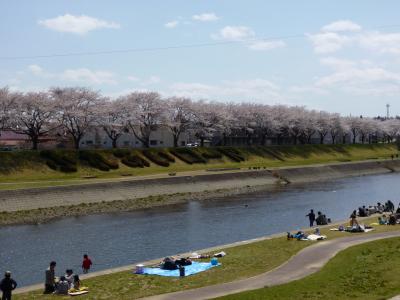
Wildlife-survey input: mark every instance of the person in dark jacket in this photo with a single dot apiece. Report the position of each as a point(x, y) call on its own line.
point(311, 217)
point(7, 285)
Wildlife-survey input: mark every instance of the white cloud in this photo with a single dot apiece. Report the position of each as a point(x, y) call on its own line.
point(79, 75)
point(337, 35)
point(206, 17)
point(381, 42)
point(257, 90)
point(171, 24)
point(328, 42)
point(36, 70)
point(77, 24)
point(266, 45)
point(234, 33)
point(342, 25)
point(133, 78)
point(359, 78)
point(88, 76)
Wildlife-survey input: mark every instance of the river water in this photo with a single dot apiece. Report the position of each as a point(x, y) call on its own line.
point(119, 239)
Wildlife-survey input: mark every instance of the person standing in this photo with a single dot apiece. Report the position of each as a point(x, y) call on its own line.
point(50, 279)
point(311, 217)
point(86, 264)
point(353, 219)
point(7, 285)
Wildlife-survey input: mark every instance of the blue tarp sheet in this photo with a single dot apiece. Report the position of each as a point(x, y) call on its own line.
point(194, 268)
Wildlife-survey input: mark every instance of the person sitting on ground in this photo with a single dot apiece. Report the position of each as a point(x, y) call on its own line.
point(353, 219)
point(77, 287)
point(311, 217)
point(86, 264)
point(62, 286)
point(69, 276)
point(321, 219)
point(168, 264)
point(380, 207)
point(361, 211)
point(382, 220)
point(50, 280)
point(392, 220)
point(7, 285)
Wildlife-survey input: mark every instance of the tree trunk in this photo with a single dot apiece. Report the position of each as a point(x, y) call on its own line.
point(76, 142)
point(35, 142)
point(202, 141)
point(333, 139)
point(114, 143)
point(321, 138)
point(176, 137)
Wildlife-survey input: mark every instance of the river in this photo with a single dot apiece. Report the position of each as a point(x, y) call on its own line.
point(119, 239)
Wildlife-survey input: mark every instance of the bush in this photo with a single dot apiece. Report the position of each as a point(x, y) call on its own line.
point(210, 153)
point(97, 161)
point(188, 156)
point(135, 161)
point(166, 156)
point(121, 153)
point(155, 158)
point(60, 160)
point(232, 154)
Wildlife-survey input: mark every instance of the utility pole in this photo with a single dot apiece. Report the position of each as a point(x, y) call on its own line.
point(387, 111)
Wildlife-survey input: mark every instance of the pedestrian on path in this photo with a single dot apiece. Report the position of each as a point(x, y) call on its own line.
point(311, 217)
point(7, 285)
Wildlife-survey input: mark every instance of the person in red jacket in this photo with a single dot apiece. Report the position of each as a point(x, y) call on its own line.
point(86, 264)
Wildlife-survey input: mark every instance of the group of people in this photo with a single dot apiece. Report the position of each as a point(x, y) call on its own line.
point(69, 282)
point(320, 219)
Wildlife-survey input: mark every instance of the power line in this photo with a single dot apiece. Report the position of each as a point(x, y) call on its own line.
point(155, 49)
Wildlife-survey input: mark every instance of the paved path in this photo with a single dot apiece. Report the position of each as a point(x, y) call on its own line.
point(306, 262)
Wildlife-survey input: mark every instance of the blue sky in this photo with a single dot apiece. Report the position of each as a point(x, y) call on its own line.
point(339, 56)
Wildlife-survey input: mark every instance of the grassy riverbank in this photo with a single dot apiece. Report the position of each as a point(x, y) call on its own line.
point(241, 262)
point(24, 169)
point(368, 271)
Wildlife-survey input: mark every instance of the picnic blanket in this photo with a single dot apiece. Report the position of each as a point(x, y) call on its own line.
point(194, 268)
point(349, 230)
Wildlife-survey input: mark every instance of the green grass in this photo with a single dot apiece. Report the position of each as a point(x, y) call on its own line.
point(241, 262)
point(26, 169)
point(368, 271)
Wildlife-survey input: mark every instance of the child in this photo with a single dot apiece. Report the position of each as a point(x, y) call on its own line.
point(86, 264)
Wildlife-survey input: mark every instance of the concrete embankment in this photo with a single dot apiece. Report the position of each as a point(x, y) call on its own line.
point(28, 199)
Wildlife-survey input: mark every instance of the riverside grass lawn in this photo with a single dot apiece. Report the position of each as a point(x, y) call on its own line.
point(26, 169)
point(242, 262)
point(369, 271)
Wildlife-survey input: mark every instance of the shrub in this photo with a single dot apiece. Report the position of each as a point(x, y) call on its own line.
point(211, 153)
point(166, 156)
point(135, 161)
point(121, 153)
point(232, 154)
point(155, 158)
point(60, 160)
point(188, 156)
point(97, 161)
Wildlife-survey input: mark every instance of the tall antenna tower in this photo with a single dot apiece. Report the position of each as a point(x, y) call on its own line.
point(387, 111)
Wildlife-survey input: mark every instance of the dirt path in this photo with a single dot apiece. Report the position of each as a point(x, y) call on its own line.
point(306, 262)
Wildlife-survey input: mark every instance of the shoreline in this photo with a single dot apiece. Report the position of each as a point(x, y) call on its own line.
point(216, 248)
point(47, 204)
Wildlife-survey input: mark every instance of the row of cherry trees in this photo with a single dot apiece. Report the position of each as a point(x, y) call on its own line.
point(75, 111)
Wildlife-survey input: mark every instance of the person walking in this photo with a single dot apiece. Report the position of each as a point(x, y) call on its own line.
point(311, 217)
point(86, 264)
point(50, 279)
point(7, 285)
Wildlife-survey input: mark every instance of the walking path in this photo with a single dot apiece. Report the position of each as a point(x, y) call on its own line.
point(306, 262)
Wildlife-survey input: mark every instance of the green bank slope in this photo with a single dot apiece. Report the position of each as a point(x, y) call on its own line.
point(46, 168)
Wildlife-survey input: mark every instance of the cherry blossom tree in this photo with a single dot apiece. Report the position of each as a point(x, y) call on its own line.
point(354, 124)
point(335, 126)
point(7, 107)
point(34, 113)
point(144, 114)
point(322, 125)
point(77, 109)
point(178, 117)
point(112, 118)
